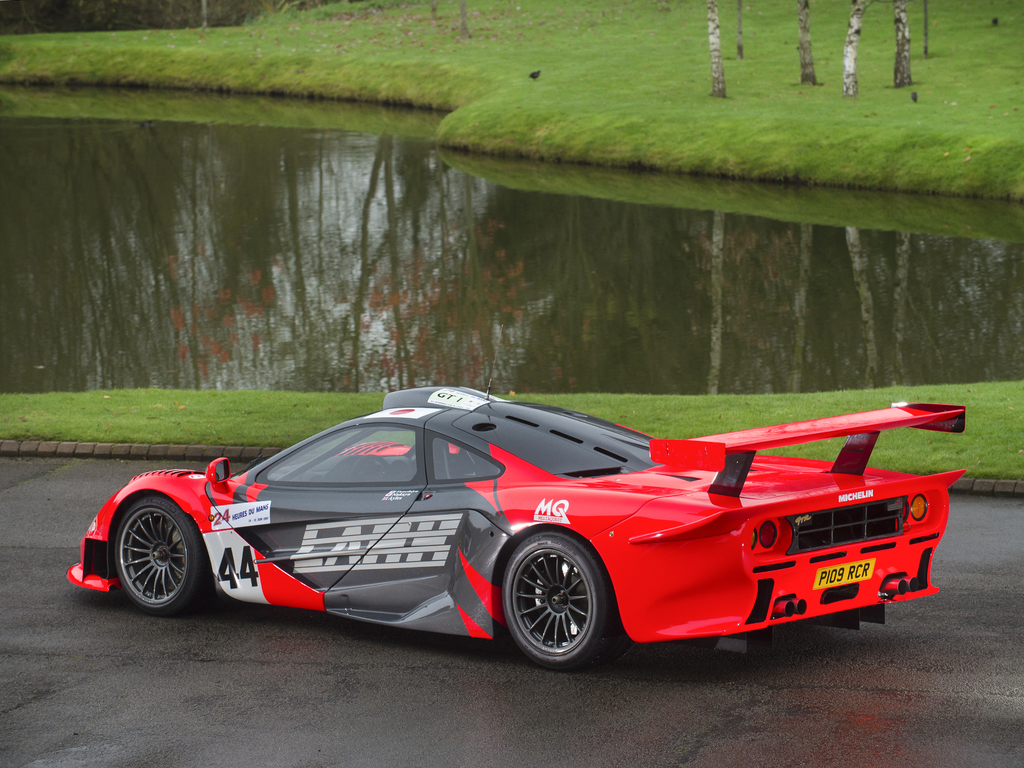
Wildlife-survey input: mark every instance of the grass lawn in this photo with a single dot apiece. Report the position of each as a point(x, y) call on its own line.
point(992, 446)
point(621, 83)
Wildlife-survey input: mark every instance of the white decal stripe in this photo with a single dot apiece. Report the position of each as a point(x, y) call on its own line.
point(382, 566)
point(393, 543)
point(344, 523)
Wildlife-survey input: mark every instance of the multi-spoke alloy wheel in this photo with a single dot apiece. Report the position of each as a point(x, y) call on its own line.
point(159, 557)
point(558, 604)
point(552, 600)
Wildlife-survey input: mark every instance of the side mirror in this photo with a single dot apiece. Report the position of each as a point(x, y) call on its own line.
point(219, 470)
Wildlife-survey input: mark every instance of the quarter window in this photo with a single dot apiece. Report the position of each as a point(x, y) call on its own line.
point(455, 462)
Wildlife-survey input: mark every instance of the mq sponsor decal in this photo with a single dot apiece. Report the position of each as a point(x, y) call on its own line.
point(552, 512)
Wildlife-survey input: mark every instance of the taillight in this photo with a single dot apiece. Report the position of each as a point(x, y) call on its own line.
point(918, 508)
point(768, 534)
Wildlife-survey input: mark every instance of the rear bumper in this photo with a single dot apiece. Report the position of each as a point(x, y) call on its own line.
point(712, 587)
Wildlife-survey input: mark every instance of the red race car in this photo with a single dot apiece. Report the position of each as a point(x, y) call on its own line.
point(450, 511)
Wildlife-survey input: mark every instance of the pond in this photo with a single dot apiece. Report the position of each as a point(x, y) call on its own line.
point(209, 255)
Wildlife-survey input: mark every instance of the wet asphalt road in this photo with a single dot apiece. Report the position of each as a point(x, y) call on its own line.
point(86, 680)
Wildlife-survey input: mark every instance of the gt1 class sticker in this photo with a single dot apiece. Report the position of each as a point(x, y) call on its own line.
point(235, 566)
point(398, 495)
point(453, 399)
point(240, 515)
point(402, 413)
point(552, 512)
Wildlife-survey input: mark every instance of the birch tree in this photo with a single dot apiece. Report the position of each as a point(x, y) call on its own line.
point(926, 29)
point(464, 30)
point(806, 59)
point(857, 8)
point(901, 69)
point(715, 43)
point(739, 29)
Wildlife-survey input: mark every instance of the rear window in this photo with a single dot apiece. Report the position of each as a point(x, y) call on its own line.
point(558, 441)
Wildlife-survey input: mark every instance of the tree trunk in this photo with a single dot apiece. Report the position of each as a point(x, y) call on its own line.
point(901, 69)
point(806, 59)
point(850, 49)
point(715, 43)
point(926, 29)
point(204, 14)
point(739, 29)
point(433, 9)
point(464, 31)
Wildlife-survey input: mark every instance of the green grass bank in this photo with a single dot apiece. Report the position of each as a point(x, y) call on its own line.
point(992, 446)
point(622, 84)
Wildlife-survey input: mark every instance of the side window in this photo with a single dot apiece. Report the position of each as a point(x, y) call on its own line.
point(454, 462)
point(360, 456)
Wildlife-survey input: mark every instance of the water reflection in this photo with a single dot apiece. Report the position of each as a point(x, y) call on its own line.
point(214, 256)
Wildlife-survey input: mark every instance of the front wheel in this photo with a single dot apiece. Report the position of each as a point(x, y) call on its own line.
point(160, 556)
point(560, 606)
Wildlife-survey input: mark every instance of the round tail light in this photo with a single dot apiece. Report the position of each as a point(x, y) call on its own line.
point(768, 534)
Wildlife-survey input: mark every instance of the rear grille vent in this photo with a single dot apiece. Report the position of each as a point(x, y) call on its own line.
point(847, 525)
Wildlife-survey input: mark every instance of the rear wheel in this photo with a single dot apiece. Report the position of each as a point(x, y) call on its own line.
point(560, 606)
point(161, 560)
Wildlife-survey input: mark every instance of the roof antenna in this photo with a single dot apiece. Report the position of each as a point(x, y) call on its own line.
point(495, 361)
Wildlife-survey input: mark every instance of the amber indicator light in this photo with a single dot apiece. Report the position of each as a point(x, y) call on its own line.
point(918, 508)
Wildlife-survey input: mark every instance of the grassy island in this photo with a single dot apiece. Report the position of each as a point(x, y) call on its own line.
point(621, 84)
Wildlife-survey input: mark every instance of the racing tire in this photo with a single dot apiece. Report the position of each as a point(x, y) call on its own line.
point(161, 559)
point(560, 605)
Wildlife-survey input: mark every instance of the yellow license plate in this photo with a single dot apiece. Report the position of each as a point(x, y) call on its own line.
point(845, 573)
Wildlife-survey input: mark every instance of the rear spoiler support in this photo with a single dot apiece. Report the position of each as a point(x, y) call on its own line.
point(729, 481)
point(731, 454)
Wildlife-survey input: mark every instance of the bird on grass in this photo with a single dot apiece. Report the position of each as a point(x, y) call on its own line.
point(913, 96)
point(535, 75)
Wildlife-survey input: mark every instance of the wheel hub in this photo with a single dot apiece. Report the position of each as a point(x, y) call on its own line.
point(558, 599)
point(161, 554)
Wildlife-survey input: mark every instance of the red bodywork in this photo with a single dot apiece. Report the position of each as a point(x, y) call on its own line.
point(684, 558)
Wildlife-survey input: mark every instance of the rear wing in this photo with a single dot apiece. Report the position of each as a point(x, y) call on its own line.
point(731, 454)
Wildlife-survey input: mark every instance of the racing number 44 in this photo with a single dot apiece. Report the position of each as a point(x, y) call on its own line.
point(246, 570)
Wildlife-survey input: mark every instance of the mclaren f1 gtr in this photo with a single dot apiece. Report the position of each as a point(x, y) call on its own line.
point(451, 511)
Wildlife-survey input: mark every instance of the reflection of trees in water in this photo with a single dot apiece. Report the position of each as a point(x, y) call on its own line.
point(225, 257)
point(800, 303)
point(867, 306)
